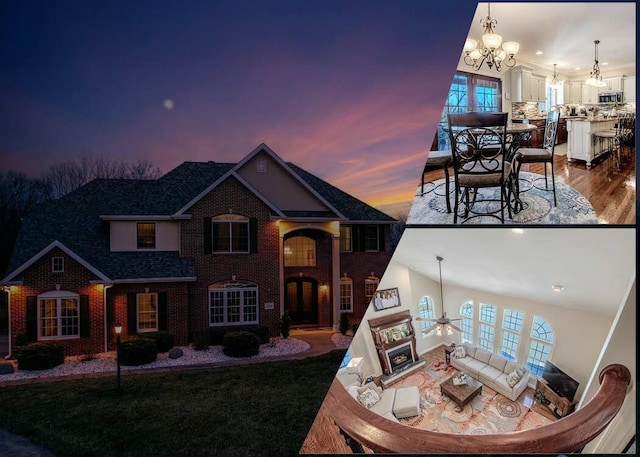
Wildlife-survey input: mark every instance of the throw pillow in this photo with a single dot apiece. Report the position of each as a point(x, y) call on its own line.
point(368, 398)
point(513, 378)
point(459, 353)
point(520, 372)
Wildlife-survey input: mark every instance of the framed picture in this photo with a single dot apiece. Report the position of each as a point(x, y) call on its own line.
point(386, 298)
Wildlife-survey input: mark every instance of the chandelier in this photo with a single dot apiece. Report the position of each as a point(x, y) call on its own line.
point(554, 82)
point(492, 50)
point(595, 78)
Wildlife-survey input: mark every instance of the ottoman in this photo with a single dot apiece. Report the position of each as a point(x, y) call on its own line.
point(407, 402)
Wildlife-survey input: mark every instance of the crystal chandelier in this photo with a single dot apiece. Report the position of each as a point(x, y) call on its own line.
point(595, 78)
point(492, 50)
point(554, 82)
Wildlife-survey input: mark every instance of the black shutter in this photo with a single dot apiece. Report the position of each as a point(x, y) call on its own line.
point(132, 314)
point(32, 318)
point(207, 235)
point(355, 238)
point(381, 238)
point(162, 311)
point(253, 235)
point(362, 238)
point(85, 322)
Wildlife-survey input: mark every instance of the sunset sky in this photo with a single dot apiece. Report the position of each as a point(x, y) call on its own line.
point(349, 90)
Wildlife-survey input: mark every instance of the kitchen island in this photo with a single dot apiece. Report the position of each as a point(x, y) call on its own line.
point(580, 143)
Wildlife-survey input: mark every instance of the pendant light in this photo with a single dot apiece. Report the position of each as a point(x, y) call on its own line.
point(554, 82)
point(595, 78)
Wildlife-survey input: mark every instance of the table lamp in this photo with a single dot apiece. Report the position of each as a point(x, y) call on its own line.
point(356, 366)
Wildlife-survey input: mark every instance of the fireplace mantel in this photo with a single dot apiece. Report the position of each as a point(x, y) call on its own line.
point(390, 332)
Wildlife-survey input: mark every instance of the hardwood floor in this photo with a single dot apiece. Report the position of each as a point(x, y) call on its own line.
point(324, 436)
point(611, 192)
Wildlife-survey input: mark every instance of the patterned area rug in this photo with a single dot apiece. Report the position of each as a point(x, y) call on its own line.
point(572, 208)
point(488, 413)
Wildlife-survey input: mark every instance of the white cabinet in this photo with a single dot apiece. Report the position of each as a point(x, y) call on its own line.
point(589, 94)
point(527, 87)
point(575, 93)
point(580, 144)
point(629, 87)
point(541, 84)
point(611, 84)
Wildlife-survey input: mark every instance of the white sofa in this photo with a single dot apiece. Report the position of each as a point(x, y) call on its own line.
point(491, 370)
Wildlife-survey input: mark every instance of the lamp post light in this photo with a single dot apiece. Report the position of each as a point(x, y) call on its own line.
point(118, 330)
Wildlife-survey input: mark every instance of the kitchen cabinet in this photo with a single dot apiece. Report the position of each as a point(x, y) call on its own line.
point(538, 88)
point(537, 136)
point(629, 88)
point(611, 84)
point(589, 94)
point(575, 93)
point(527, 87)
point(580, 143)
point(561, 137)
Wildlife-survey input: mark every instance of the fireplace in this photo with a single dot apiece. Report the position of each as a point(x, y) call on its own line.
point(400, 357)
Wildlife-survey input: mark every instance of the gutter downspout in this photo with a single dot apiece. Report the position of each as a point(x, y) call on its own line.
point(104, 304)
point(8, 291)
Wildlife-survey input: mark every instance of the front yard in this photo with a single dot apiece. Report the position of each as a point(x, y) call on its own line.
point(261, 409)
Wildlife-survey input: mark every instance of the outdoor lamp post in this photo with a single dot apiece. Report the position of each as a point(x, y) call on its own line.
point(118, 330)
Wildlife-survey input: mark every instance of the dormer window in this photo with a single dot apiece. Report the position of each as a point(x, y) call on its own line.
point(57, 264)
point(146, 235)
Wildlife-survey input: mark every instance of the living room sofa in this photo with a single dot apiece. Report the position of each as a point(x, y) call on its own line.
point(491, 370)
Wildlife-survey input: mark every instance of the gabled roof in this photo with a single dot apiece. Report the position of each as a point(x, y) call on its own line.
point(74, 221)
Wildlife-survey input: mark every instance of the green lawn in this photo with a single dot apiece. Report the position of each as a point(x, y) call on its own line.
point(262, 409)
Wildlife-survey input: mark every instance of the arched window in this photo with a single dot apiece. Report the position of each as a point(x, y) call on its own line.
point(540, 345)
point(299, 251)
point(58, 315)
point(233, 302)
point(512, 322)
point(466, 324)
point(370, 287)
point(346, 295)
point(426, 311)
point(487, 326)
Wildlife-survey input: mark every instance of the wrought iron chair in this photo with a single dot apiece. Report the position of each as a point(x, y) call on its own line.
point(542, 155)
point(435, 160)
point(478, 145)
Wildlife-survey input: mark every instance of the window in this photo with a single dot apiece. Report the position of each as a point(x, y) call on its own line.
point(466, 324)
point(512, 322)
point(57, 264)
point(230, 233)
point(146, 235)
point(370, 287)
point(261, 165)
point(299, 251)
point(345, 239)
point(469, 92)
point(233, 302)
point(426, 311)
point(487, 323)
point(58, 315)
point(371, 241)
point(346, 295)
point(540, 345)
point(147, 312)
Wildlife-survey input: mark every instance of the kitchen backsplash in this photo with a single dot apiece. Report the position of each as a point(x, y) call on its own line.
point(531, 111)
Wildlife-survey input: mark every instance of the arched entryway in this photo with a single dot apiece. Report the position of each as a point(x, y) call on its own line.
point(301, 300)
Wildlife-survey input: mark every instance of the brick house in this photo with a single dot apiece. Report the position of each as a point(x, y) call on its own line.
point(208, 244)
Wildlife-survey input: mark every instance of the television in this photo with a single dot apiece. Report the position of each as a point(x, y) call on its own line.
point(560, 382)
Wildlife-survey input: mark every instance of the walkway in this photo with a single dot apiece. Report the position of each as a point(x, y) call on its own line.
point(319, 339)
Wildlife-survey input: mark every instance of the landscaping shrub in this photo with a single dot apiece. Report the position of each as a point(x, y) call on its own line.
point(138, 351)
point(216, 334)
point(344, 323)
point(240, 344)
point(285, 324)
point(201, 339)
point(40, 356)
point(22, 339)
point(165, 340)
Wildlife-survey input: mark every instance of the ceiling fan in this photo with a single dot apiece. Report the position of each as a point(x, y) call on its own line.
point(442, 322)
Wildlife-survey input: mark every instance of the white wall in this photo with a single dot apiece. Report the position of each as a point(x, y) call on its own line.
point(124, 236)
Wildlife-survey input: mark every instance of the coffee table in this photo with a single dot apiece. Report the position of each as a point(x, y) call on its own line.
point(462, 394)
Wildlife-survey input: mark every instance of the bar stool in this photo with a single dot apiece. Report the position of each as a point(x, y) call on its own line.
point(437, 159)
point(612, 140)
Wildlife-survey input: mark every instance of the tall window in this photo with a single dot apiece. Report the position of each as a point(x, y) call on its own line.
point(540, 345)
point(469, 92)
point(233, 302)
point(346, 239)
point(230, 233)
point(466, 324)
point(426, 310)
point(57, 264)
point(299, 251)
point(512, 322)
point(346, 295)
point(370, 287)
point(58, 315)
point(146, 235)
point(147, 312)
point(487, 326)
point(371, 241)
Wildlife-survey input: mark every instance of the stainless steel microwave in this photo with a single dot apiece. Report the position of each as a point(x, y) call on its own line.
point(610, 97)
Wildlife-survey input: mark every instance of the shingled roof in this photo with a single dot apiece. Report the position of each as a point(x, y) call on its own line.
point(75, 219)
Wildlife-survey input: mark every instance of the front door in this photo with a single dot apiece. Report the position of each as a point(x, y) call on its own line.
point(301, 300)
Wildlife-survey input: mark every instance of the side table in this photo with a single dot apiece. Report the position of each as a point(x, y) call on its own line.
point(447, 353)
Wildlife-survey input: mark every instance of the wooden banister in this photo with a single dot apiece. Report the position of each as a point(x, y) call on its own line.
point(568, 434)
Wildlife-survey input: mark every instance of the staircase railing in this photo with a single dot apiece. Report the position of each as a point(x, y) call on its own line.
point(568, 434)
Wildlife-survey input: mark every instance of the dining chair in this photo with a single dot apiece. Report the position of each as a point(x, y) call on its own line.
point(543, 155)
point(478, 144)
point(435, 160)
